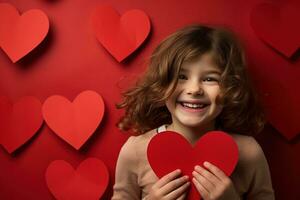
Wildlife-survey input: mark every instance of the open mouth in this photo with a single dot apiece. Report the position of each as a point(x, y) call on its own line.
point(195, 106)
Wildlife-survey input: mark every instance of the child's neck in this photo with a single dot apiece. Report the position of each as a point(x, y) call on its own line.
point(192, 134)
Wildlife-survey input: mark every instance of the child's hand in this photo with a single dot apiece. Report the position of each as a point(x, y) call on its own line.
point(171, 186)
point(213, 183)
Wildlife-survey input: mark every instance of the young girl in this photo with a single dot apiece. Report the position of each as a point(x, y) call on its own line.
point(196, 82)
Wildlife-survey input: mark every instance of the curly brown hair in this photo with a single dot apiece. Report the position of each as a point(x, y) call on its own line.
point(144, 103)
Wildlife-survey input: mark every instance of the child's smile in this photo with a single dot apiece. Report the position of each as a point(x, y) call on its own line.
point(192, 107)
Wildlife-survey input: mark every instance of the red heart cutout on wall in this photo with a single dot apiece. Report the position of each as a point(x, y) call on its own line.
point(19, 122)
point(89, 181)
point(215, 147)
point(74, 121)
point(121, 36)
point(19, 35)
point(278, 25)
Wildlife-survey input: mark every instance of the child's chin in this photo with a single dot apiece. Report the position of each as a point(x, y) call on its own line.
point(191, 124)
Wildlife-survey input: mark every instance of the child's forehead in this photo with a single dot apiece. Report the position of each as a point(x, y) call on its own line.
point(204, 61)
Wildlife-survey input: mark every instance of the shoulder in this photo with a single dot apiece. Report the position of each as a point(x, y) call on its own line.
point(252, 171)
point(144, 139)
point(140, 140)
point(249, 149)
point(136, 145)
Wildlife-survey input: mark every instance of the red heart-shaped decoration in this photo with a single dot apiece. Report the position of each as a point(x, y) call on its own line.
point(19, 122)
point(281, 105)
point(19, 35)
point(278, 25)
point(74, 121)
point(88, 182)
point(121, 36)
point(168, 151)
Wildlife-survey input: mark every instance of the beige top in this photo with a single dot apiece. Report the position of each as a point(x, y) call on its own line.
point(134, 176)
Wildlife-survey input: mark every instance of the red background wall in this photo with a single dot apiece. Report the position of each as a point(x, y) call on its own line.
point(71, 60)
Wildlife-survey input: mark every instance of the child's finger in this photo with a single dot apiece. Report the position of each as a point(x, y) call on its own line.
point(178, 192)
point(203, 192)
point(167, 178)
point(207, 184)
point(215, 170)
point(182, 197)
point(208, 175)
point(174, 184)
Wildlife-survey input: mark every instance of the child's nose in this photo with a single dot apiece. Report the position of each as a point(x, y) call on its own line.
point(195, 88)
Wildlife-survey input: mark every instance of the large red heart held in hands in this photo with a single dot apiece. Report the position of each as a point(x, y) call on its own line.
point(74, 121)
point(19, 122)
point(278, 25)
point(88, 182)
point(19, 35)
point(121, 36)
point(168, 151)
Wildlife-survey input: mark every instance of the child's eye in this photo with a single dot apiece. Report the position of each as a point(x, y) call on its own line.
point(182, 76)
point(210, 79)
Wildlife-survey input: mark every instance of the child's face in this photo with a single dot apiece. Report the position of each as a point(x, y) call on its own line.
point(193, 103)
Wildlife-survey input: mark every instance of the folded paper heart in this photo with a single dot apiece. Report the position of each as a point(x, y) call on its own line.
point(19, 35)
point(168, 151)
point(121, 36)
point(89, 181)
point(19, 121)
point(278, 25)
point(74, 121)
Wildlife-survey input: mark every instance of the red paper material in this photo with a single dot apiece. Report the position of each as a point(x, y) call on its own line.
point(89, 181)
point(282, 107)
point(19, 121)
point(121, 36)
point(19, 35)
point(168, 151)
point(74, 121)
point(278, 25)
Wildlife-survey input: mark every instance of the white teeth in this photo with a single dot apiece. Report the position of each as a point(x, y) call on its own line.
point(193, 105)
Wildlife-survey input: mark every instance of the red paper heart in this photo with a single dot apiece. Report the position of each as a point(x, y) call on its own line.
point(121, 36)
point(88, 182)
point(168, 151)
point(19, 35)
point(74, 122)
point(278, 25)
point(19, 122)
